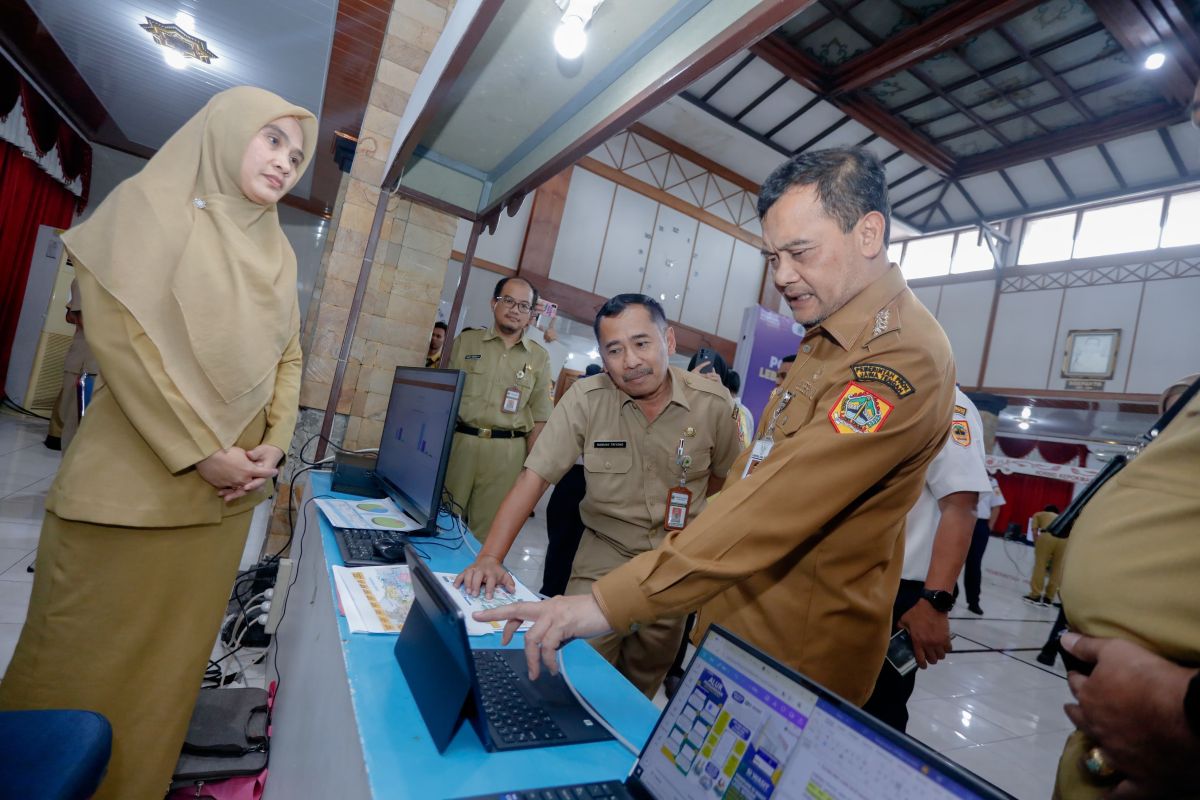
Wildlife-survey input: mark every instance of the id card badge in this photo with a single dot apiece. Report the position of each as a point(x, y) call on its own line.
point(679, 503)
point(758, 454)
point(512, 400)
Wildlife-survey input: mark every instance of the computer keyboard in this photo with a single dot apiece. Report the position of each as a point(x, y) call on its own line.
point(609, 790)
point(358, 545)
point(513, 718)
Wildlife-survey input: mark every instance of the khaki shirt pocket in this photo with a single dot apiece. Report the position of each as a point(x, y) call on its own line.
point(476, 383)
point(607, 474)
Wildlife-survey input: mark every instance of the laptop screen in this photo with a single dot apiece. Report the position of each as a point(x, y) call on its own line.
point(417, 434)
point(740, 726)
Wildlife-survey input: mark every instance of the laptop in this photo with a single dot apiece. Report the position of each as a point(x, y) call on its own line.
point(414, 450)
point(742, 725)
point(489, 687)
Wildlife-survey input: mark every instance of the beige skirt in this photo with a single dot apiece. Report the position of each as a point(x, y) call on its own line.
point(122, 621)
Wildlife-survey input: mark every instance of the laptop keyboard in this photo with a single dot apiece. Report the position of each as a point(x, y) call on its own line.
point(506, 707)
point(609, 790)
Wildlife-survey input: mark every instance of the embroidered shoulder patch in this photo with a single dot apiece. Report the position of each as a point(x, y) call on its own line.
point(960, 432)
point(859, 410)
point(878, 373)
point(960, 411)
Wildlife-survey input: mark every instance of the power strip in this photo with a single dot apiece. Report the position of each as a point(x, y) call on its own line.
point(283, 579)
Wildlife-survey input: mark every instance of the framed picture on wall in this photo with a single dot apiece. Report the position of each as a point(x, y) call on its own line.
point(1091, 353)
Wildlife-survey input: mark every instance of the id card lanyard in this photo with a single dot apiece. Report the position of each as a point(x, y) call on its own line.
point(512, 395)
point(762, 447)
point(679, 498)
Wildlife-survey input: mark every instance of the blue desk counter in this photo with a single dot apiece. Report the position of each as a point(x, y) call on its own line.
point(346, 725)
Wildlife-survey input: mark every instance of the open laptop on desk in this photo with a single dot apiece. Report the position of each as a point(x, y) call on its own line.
point(744, 726)
point(411, 466)
point(490, 687)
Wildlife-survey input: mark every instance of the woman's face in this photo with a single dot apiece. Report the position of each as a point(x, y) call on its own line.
point(271, 164)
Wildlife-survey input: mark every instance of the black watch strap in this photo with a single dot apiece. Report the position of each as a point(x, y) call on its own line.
point(941, 600)
point(1191, 704)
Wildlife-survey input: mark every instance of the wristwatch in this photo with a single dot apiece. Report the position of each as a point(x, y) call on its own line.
point(940, 600)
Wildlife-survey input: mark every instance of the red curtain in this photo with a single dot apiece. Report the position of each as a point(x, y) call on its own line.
point(28, 198)
point(1052, 452)
point(1025, 495)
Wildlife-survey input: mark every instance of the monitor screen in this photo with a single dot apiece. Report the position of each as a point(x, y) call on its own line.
point(741, 727)
point(417, 434)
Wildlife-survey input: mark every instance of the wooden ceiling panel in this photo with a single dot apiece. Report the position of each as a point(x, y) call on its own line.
point(1143, 158)
point(1037, 183)
point(992, 195)
point(743, 88)
point(783, 102)
point(1087, 172)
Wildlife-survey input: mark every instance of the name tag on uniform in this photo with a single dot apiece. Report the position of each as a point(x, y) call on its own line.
point(473, 357)
point(512, 400)
point(602, 445)
point(679, 502)
point(758, 454)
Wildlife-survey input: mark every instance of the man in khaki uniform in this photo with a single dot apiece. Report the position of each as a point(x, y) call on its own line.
point(1130, 588)
point(505, 402)
point(78, 361)
point(801, 552)
point(1048, 554)
point(644, 430)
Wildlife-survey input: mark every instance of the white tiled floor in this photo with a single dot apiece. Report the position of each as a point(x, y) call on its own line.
point(998, 714)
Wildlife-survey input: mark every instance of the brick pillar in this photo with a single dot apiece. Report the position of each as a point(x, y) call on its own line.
point(407, 272)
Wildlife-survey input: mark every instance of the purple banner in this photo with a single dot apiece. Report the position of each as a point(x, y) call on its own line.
point(766, 338)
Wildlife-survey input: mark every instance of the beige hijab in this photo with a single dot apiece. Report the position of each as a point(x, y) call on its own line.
point(207, 273)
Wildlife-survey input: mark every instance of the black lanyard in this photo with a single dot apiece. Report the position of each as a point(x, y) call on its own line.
point(1061, 526)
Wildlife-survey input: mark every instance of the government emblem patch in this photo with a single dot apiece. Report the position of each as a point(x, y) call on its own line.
point(960, 432)
point(859, 410)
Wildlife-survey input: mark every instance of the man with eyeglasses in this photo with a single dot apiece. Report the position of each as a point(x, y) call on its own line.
point(505, 402)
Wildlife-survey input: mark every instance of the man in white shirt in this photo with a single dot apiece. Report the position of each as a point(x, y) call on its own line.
point(986, 512)
point(937, 535)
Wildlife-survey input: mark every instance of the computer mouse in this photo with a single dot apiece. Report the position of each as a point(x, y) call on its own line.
point(390, 551)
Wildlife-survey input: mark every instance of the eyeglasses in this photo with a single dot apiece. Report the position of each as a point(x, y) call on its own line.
point(508, 302)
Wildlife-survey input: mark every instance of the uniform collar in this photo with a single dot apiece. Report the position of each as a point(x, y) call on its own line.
point(864, 309)
point(492, 333)
point(678, 397)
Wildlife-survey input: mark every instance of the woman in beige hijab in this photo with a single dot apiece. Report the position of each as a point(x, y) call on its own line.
point(190, 288)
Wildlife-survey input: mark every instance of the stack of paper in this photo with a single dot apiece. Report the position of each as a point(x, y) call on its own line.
point(470, 605)
point(378, 515)
point(374, 599)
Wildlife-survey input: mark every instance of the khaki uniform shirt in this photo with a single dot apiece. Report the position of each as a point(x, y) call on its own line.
point(1134, 553)
point(1041, 520)
point(491, 368)
point(133, 462)
point(79, 358)
point(631, 464)
point(803, 556)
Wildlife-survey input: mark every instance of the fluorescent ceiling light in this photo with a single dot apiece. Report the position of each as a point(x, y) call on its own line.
point(1155, 60)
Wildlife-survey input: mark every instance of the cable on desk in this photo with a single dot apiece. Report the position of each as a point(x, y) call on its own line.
point(562, 670)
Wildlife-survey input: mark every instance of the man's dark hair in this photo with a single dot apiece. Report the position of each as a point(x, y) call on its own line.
point(617, 305)
point(850, 183)
point(592, 369)
point(440, 324)
point(500, 284)
point(1053, 509)
point(732, 381)
point(788, 359)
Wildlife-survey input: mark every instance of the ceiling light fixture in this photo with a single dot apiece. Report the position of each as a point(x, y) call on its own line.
point(1026, 412)
point(1155, 60)
point(178, 40)
point(570, 38)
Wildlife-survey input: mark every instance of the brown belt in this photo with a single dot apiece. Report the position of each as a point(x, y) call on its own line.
point(489, 433)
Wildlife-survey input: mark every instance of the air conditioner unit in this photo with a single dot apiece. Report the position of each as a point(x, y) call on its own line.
point(43, 335)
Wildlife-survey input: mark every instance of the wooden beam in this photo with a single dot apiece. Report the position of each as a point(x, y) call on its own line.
point(777, 52)
point(947, 28)
point(667, 199)
point(1126, 123)
point(545, 218)
point(490, 266)
point(1132, 25)
point(700, 160)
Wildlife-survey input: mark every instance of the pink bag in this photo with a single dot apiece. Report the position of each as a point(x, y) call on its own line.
point(245, 787)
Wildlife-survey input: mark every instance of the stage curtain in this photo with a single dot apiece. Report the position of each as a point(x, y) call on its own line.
point(1014, 447)
point(1025, 495)
point(28, 198)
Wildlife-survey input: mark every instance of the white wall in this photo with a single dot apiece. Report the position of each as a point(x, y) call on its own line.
point(306, 232)
point(963, 310)
point(1168, 336)
point(109, 167)
point(502, 247)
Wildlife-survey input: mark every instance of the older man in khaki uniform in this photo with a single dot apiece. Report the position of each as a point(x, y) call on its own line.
point(655, 441)
point(505, 402)
point(802, 551)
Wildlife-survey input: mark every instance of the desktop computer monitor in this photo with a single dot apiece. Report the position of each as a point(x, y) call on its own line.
point(417, 434)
